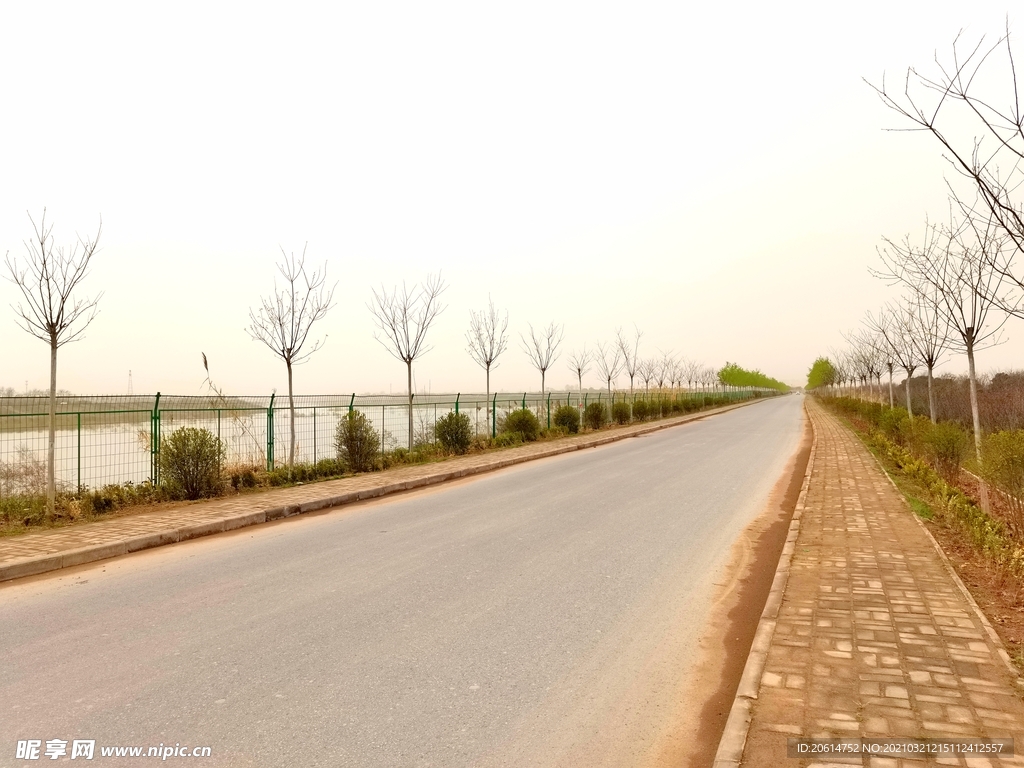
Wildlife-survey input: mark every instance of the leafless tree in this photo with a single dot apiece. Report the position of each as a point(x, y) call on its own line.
point(932, 337)
point(958, 96)
point(964, 265)
point(404, 317)
point(609, 362)
point(677, 373)
point(692, 373)
point(899, 330)
point(665, 365)
point(487, 339)
point(883, 358)
point(708, 376)
point(284, 319)
point(647, 370)
point(630, 350)
point(841, 366)
point(51, 312)
point(579, 364)
point(542, 348)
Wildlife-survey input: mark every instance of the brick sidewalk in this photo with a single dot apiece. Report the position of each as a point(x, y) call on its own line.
point(51, 549)
point(874, 636)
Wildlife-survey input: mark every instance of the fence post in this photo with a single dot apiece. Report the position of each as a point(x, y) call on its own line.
point(270, 433)
point(456, 404)
point(154, 441)
point(79, 415)
point(549, 410)
point(314, 434)
point(524, 401)
point(350, 402)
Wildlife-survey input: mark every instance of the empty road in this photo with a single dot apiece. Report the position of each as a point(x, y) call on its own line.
point(541, 615)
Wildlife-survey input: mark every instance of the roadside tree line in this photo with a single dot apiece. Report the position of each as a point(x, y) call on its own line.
point(961, 277)
point(53, 309)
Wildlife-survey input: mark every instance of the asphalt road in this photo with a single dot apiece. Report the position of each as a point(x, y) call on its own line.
point(541, 615)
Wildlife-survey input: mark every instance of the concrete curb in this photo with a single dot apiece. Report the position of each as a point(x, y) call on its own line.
point(734, 737)
point(32, 566)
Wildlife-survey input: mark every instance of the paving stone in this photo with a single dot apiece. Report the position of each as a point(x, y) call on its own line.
point(892, 645)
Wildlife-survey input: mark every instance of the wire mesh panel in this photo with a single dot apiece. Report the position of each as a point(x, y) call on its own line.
point(97, 440)
point(240, 423)
point(102, 440)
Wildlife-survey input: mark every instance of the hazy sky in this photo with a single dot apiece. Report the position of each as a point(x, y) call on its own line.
point(716, 173)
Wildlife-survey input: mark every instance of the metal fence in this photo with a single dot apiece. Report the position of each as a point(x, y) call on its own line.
point(102, 440)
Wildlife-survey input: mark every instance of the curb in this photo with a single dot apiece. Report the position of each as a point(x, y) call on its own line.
point(734, 736)
point(32, 566)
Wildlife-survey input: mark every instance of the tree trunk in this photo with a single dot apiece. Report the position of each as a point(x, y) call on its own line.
point(931, 395)
point(487, 405)
point(910, 408)
point(408, 364)
point(892, 401)
point(976, 422)
point(291, 421)
point(51, 473)
point(542, 382)
point(975, 415)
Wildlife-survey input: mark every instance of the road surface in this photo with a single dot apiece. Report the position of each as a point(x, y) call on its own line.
point(541, 615)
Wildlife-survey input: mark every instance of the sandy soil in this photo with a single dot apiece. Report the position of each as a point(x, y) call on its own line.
point(705, 704)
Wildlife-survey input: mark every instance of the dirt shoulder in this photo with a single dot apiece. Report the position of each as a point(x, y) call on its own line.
point(732, 624)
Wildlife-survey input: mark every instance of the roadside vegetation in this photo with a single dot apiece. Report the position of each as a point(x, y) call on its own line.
point(193, 464)
point(975, 510)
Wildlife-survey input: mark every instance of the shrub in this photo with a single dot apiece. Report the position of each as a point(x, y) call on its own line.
point(357, 442)
point(328, 468)
point(1003, 465)
point(641, 410)
point(455, 432)
point(677, 407)
point(895, 425)
point(523, 423)
point(595, 415)
point(243, 477)
point(621, 413)
point(507, 439)
point(567, 417)
point(190, 462)
point(947, 446)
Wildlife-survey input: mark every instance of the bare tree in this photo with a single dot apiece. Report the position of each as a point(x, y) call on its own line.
point(665, 368)
point(284, 319)
point(579, 363)
point(542, 348)
point(404, 317)
point(964, 265)
point(899, 331)
point(932, 337)
point(692, 373)
point(609, 363)
point(487, 339)
point(630, 350)
point(647, 370)
point(959, 94)
point(51, 312)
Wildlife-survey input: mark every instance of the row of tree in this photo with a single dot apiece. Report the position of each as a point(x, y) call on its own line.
point(53, 311)
point(962, 278)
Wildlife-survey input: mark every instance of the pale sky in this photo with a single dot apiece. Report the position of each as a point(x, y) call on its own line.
point(715, 173)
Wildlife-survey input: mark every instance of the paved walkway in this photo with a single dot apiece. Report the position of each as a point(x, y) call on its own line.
point(51, 549)
point(875, 636)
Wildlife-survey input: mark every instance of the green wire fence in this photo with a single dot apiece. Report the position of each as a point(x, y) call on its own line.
point(116, 439)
